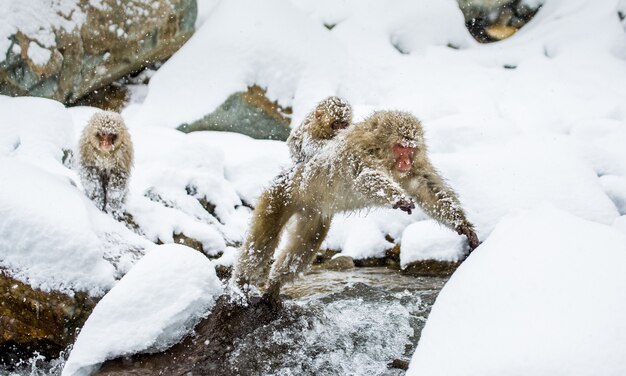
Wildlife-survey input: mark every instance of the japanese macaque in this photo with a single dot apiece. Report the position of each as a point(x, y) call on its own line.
point(106, 157)
point(322, 124)
point(381, 161)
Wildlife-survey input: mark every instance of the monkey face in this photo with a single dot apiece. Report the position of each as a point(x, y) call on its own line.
point(403, 155)
point(339, 124)
point(106, 141)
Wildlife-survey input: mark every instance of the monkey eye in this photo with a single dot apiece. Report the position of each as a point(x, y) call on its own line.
point(113, 138)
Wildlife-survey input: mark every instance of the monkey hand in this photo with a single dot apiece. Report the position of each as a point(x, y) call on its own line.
point(404, 204)
point(472, 238)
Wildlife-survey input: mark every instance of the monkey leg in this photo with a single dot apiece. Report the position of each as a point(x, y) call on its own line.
point(270, 216)
point(117, 189)
point(307, 237)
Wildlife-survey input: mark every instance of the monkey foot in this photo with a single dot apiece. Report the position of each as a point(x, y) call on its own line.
point(273, 301)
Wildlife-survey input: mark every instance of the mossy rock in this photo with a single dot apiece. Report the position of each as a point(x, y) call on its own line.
point(33, 320)
point(250, 113)
point(339, 263)
point(117, 38)
point(431, 268)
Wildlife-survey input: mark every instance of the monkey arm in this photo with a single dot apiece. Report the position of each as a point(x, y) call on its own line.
point(441, 203)
point(294, 143)
point(93, 185)
point(381, 189)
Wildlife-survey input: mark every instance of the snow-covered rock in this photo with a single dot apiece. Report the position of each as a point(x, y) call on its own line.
point(543, 295)
point(248, 46)
point(64, 49)
point(429, 240)
point(156, 303)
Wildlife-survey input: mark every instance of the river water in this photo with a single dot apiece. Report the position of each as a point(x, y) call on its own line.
point(352, 323)
point(355, 323)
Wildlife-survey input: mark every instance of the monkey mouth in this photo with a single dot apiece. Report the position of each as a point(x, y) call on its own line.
point(403, 164)
point(106, 146)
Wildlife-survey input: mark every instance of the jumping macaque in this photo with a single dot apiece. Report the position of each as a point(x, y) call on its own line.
point(106, 157)
point(381, 161)
point(322, 124)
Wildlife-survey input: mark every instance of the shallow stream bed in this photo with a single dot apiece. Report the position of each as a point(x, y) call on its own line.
point(352, 322)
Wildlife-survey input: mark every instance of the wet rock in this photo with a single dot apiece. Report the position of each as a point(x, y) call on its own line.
point(339, 263)
point(402, 364)
point(105, 41)
point(370, 262)
point(36, 321)
point(189, 242)
point(223, 272)
point(250, 113)
point(207, 352)
point(309, 336)
point(393, 254)
point(498, 32)
point(324, 255)
point(493, 20)
point(431, 268)
point(112, 97)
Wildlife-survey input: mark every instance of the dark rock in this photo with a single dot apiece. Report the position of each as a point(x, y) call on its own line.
point(393, 253)
point(491, 21)
point(250, 113)
point(370, 262)
point(116, 39)
point(112, 97)
point(392, 257)
point(32, 320)
point(431, 268)
point(207, 351)
point(339, 263)
point(324, 255)
point(223, 272)
point(402, 364)
point(189, 242)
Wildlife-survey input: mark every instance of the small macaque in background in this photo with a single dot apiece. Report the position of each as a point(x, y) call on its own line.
point(380, 162)
point(106, 158)
point(330, 116)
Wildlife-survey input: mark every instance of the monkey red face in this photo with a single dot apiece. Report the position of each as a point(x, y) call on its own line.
point(403, 156)
point(106, 141)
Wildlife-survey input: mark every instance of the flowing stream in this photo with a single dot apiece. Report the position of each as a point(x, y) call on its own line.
point(352, 322)
point(355, 323)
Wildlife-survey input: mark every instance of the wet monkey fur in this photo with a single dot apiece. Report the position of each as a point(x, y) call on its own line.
point(106, 158)
point(380, 162)
point(330, 116)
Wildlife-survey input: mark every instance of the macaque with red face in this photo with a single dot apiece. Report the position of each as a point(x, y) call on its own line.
point(380, 162)
point(106, 158)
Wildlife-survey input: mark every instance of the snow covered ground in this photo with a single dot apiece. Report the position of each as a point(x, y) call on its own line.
point(543, 296)
point(152, 307)
point(537, 119)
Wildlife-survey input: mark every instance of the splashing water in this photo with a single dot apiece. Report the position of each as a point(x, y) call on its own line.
point(349, 323)
point(353, 323)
